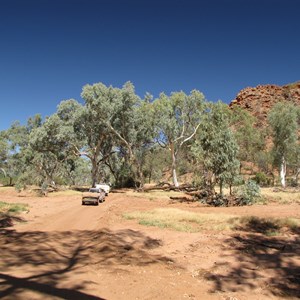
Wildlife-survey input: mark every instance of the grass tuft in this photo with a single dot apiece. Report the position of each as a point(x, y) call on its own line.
point(14, 208)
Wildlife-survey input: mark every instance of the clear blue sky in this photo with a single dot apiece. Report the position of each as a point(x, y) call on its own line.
point(51, 48)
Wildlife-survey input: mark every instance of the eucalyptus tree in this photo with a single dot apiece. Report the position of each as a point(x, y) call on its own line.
point(85, 133)
point(143, 140)
point(120, 116)
point(157, 161)
point(216, 146)
point(283, 120)
point(3, 152)
point(50, 149)
point(178, 118)
point(16, 139)
point(77, 171)
point(250, 138)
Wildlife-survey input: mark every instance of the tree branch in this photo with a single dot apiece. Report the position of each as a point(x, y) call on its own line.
point(191, 136)
point(104, 158)
point(121, 138)
point(182, 133)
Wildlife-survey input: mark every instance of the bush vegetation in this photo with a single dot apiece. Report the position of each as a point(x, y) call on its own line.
point(118, 137)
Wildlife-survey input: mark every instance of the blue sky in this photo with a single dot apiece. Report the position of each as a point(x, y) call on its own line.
point(51, 48)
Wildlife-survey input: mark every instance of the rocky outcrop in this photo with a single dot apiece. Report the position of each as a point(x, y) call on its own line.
point(259, 100)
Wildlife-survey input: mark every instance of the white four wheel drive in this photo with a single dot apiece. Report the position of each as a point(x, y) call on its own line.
point(105, 187)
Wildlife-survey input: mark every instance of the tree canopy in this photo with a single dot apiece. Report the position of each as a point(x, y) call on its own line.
point(114, 135)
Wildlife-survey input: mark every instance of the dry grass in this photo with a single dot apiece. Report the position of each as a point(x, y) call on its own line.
point(155, 194)
point(289, 196)
point(5, 189)
point(269, 226)
point(181, 220)
point(64, 193)
point(186, 221)
point(8, 208)
point(281, 197)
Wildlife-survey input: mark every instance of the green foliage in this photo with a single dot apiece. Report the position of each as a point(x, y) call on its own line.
point(261, 179)
point(112, 135)
point(4, 180)
point(78, 170)
point(113, 121)
point(16, 141)
point(249, 192)
point(3, 148)
point(249, 137)
point(265, 162)
point(178, 117)
point(198, 180)
point(283, 120)
point(50, 149)
point(217, 147)
point(157, 160)
point(20, 185)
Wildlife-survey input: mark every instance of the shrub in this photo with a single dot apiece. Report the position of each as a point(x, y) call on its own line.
point(198, 181)
point(261, 179)
point(19, 186)
point(249, 192)
point(291, 182)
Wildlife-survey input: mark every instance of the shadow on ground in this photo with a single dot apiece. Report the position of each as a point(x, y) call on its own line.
point(7, 220)
point(43, 261)
point(270, 265)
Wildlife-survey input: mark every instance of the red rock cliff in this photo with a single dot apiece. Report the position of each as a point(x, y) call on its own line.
point(259, 100)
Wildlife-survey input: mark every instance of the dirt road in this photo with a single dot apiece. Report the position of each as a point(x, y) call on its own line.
point(69, 251)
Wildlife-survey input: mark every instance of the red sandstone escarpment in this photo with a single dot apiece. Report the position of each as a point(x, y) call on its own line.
point(259, 100)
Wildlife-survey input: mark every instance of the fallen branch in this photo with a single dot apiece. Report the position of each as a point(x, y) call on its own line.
point(165, 186)
point(182, 199)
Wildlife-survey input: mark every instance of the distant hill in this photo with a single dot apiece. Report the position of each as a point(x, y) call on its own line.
point(259, 100)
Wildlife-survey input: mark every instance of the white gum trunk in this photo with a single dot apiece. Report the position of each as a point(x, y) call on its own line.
point(175, 181)
point(283, 172)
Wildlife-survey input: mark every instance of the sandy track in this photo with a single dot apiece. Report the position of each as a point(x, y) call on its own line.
point(70, 251)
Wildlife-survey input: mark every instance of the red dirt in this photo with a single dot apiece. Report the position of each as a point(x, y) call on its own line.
point(69, 251)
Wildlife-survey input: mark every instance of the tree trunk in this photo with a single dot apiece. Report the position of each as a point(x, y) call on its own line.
point(94, 172)
point(221, 187)
point(273, 178)
point(140, 177)
point(112, 171)
point(174, 175)
point(283, 172)
point(296, 176)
